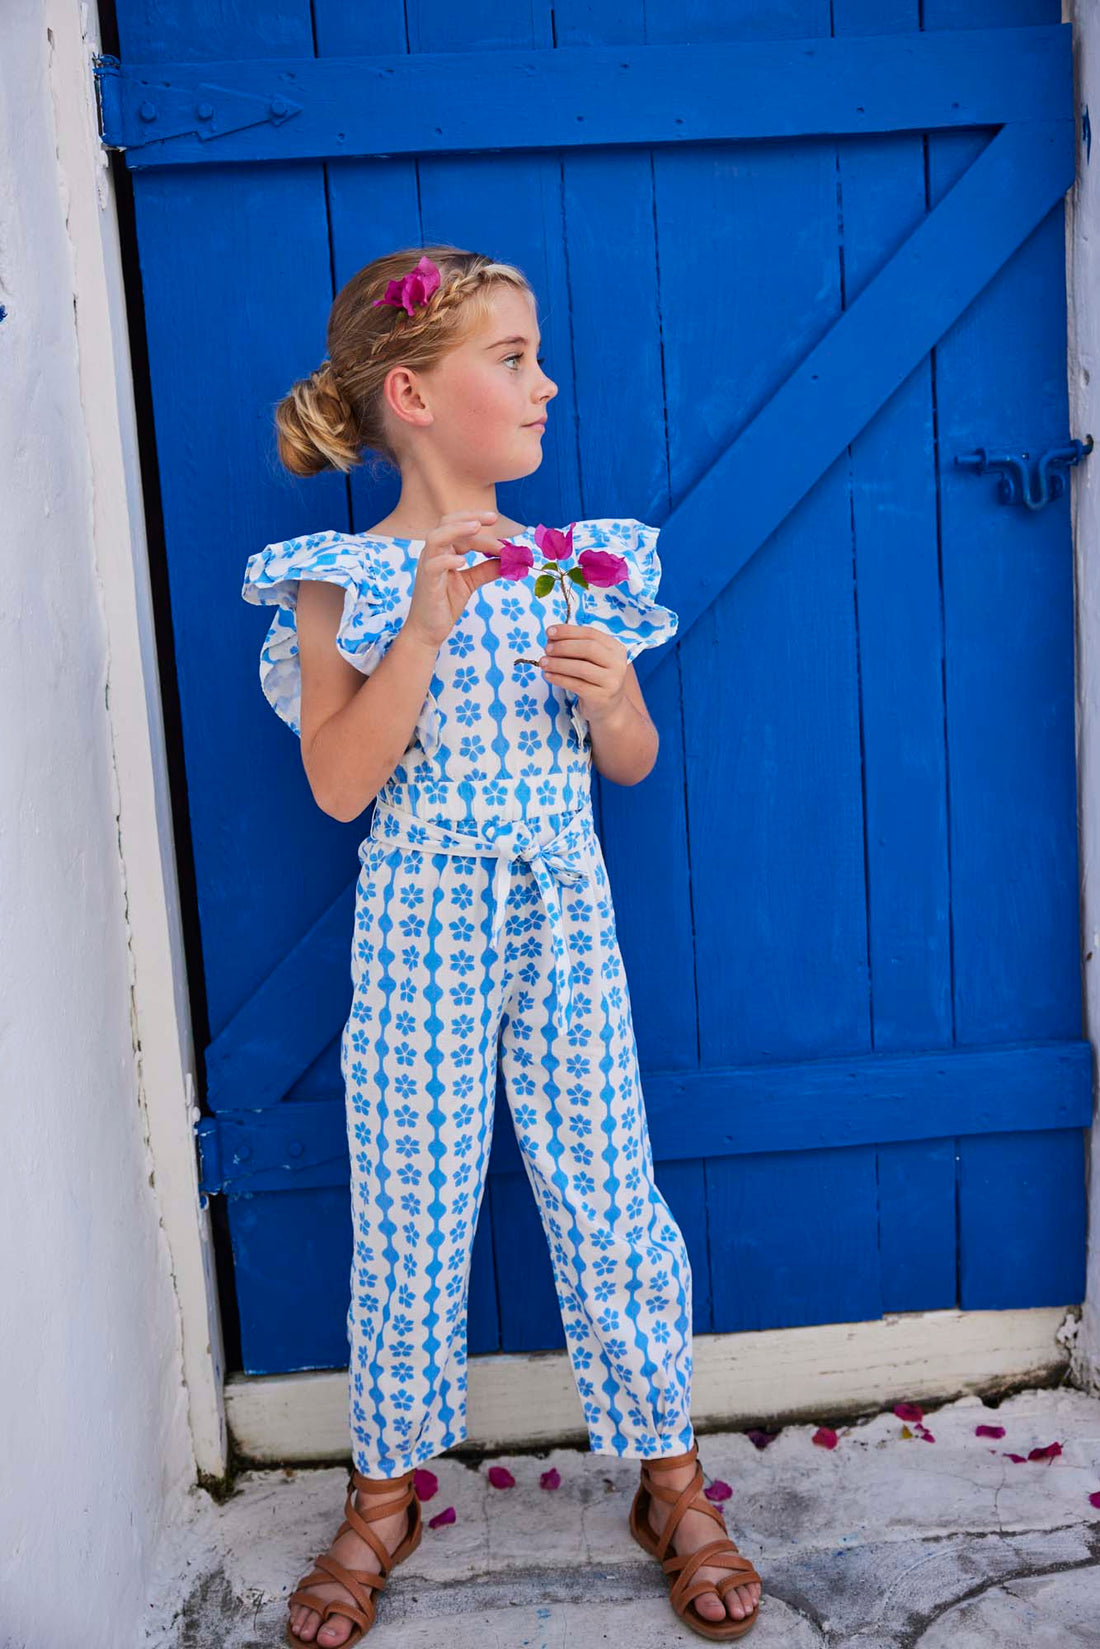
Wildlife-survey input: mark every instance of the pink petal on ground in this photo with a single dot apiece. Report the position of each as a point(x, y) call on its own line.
point(760, 1438)
point(442, 1517)
point(1046, 1453)
point(425, 1483)
point(501, 1478)
point(908, 1411)
point(989, 1431)
point(926, 1436)
point(1017, 1457)
point(1094, 1499)
point(718, 1490)
point(824, 1437)
point(550, 1479)
point(602, 569)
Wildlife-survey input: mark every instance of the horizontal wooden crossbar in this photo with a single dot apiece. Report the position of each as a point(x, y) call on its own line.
point(187, 114)
point(864, 357)
point(806, 1105)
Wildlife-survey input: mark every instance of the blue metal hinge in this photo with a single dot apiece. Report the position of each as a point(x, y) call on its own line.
point(136, 109)
point(1016, 485)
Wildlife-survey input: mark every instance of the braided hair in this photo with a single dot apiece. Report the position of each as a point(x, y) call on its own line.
point(328, 419)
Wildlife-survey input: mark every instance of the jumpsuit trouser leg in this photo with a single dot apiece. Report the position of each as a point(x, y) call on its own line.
point(460, 958)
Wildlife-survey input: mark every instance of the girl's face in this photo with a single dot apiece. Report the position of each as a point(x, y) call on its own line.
point(483, 407)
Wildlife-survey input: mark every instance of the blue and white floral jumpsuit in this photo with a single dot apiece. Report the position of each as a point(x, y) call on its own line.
point(484, 928)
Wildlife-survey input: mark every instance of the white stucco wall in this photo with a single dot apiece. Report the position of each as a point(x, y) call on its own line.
point(95, 1453)
point(1083, 278)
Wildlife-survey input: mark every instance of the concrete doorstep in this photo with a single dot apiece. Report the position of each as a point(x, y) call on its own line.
point(885, 1541)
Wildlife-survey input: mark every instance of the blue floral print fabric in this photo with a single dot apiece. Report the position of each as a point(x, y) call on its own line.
point(485, 940)
point(475, 675)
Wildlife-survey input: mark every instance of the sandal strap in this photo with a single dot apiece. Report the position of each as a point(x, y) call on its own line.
point(359, 1521)
point(688, 1499)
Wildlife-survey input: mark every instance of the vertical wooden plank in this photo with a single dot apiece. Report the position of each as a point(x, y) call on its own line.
point(232, 303)
point(608, 226)
point(770, 703)
point(892, 487)
point(1000, 382)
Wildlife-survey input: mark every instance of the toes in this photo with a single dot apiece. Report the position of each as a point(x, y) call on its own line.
point(336, 1630)
point(709, 1605)
point(303, 1622)
point(741, 1600)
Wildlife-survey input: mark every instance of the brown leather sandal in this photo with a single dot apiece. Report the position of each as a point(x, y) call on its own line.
point(361, 1612)
point(722, 1553)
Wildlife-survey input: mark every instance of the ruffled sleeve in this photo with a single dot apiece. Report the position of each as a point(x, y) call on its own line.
point(375, 604)
point(629, 611)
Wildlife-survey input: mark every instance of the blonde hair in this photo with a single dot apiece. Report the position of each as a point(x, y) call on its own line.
point(326, 421)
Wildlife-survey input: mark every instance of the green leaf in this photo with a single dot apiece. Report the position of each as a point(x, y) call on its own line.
point(544, 584)
point(578, 577)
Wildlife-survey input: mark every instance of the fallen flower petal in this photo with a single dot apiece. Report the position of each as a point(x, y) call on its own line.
point(1017, 1457)
point(442, 1517)
point(425, 1483)
point(760, 1438)
point(1046, 1453)
point(824, 1437)
point(718, 1490)
point(1094, 1499)
point(550, 1479)
point(908, 1411)
point(989, 1431)
point(501, 1478)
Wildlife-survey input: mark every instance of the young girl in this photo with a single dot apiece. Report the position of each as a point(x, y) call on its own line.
point(484, 926)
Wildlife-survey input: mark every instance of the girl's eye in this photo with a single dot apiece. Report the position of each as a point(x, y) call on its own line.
point(508, 358)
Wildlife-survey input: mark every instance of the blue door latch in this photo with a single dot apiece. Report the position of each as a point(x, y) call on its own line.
point(1019, 486)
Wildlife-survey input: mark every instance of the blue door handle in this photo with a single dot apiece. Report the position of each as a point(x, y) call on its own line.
point(1016, 484)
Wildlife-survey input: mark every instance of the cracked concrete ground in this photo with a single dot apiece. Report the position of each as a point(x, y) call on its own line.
point(883, 1542)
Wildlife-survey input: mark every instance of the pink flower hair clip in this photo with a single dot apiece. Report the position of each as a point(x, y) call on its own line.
point(414, 288)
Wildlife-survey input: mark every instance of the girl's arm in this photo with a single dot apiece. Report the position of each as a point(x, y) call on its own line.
point(355, 731)
point(597, 668)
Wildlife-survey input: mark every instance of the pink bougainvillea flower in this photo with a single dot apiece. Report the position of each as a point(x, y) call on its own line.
point(1019, 1458)
point(555, 545)
point(602, 569)
point(442, 1517)
point(550, 1479)
point(989, 1431)
point(516, 560)
point(413, 289)
point(425, 1484)
point(824, 1437)
point(1094, 1499)
point(1046, 1453)
point(925, 1435)
point(501, 1478)
point(908, 1411)
point(718, 1490)
point(760, 1438)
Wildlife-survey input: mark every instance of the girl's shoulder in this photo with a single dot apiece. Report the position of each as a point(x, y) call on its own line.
point(372, 573)
point(628, 609)
point(358, 561)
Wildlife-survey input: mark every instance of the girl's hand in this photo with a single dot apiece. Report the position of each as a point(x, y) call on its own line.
point(444, 580)
point(586, 662)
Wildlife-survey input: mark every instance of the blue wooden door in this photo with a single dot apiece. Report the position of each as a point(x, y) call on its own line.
point(793, 264)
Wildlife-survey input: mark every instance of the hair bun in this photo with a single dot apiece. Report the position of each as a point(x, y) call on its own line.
point(315, 427)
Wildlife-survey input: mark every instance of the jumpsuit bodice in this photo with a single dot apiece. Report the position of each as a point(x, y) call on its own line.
point(494, 740)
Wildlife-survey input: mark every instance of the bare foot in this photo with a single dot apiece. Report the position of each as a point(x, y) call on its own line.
point(354, 1554)
point(696, 1529)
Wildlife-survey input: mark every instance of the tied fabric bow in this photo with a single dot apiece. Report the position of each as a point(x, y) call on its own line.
point(414, 288)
